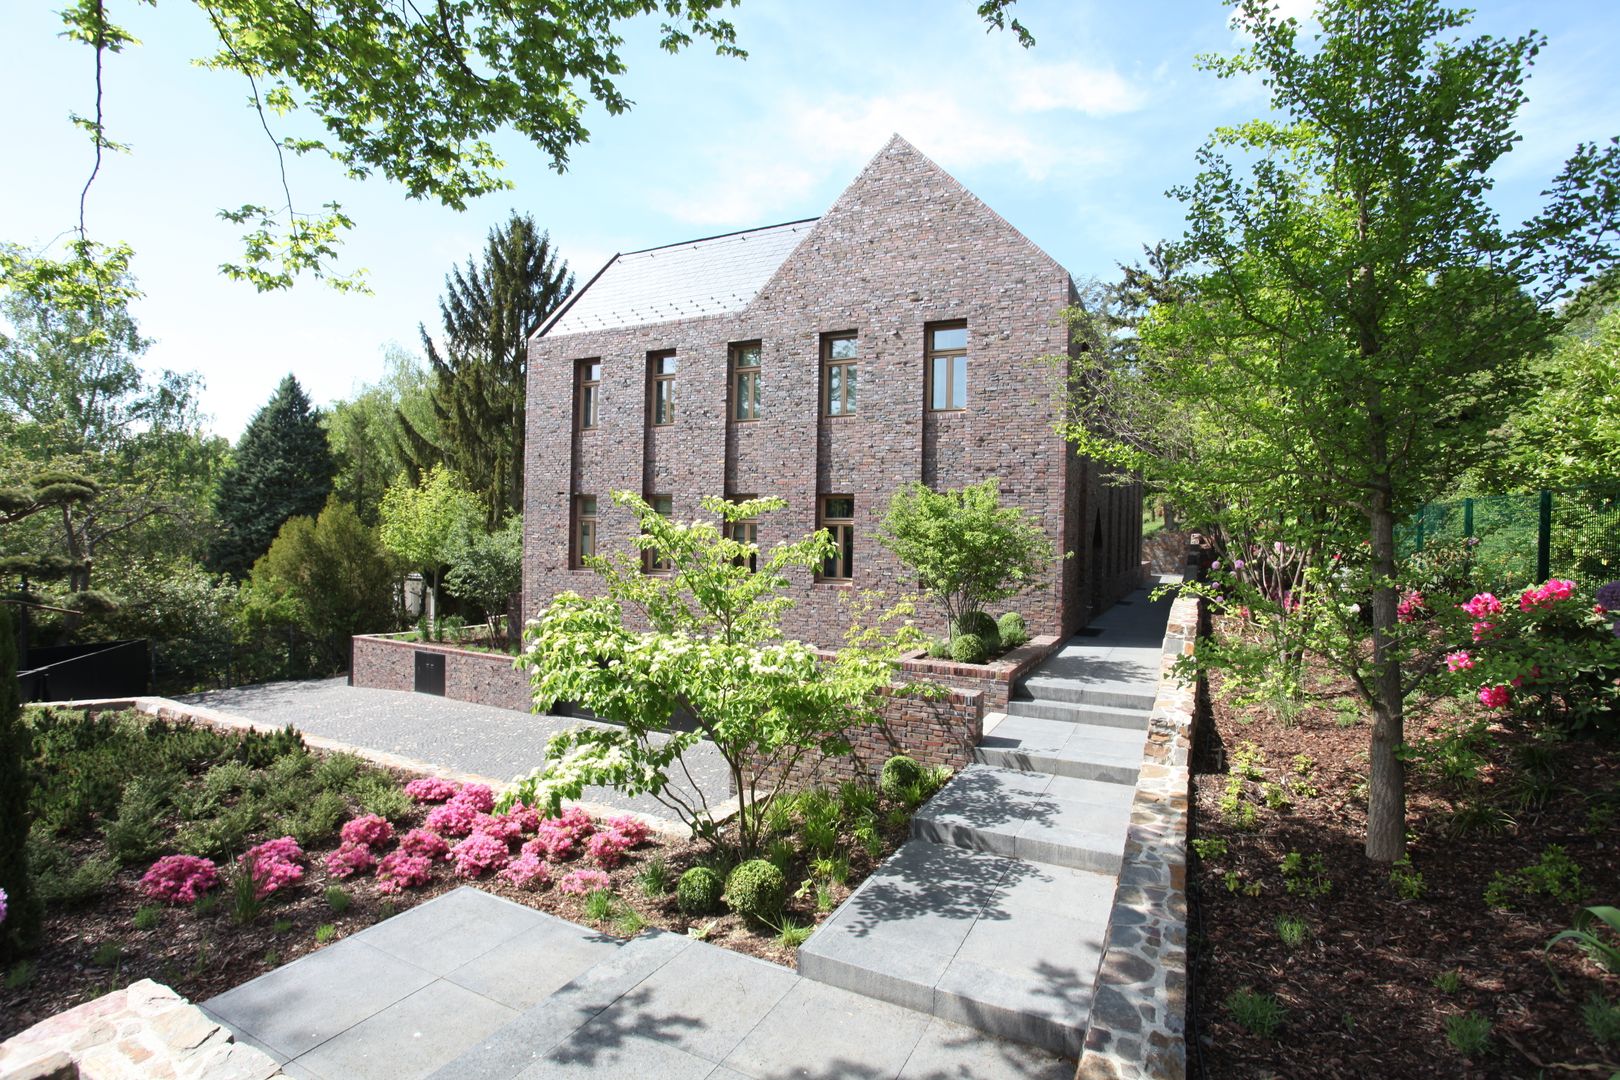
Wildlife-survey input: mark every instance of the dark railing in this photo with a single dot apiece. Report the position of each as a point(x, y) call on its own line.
point(103, 669)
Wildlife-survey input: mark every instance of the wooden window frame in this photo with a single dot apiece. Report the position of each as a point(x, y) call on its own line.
point(931, 356)
point(848, 389)
point(582, 521)
point(839, 569)
point(745, 530)
point(748, 377)
point(589, 409)
point(649, 564)
point(661, 388)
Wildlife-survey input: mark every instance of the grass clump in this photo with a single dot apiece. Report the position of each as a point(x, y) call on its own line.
point(338, 899)
point(1468, 1033)
point(1258, 1013)
point(1292, 932)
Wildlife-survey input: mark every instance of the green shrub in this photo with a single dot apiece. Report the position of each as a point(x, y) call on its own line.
point(316, 821)
point(337, 771)
point(1012, 630)
point(1258, 1013)
point(1468, 1033)
point(338, 899)
point(939, 648)
point(969, 649)
point(107, 954)
point(600, 905)
point(698, 892)
point(1210, 850)
point(148, 917)
point(980, 624)
point(899, 773)
point(21, 927)
point(856, 799)
point(756, 890)
point(1292, 932)
point(1306, 878)
point(378, 794)
point(62, 880)
point(792, 935)
point(260, 748)
point(324, 933)
point(138, 833)
point(222, 783)
point(1448, 982)
point(222, 836)
point(1407, 882)
point(653, 877)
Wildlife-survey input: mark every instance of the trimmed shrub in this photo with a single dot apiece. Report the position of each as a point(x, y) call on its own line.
point(980, 623)
point(699, 890)
point(756, 889)
point(1012, 630)
point(969, 649)
point(900, 774)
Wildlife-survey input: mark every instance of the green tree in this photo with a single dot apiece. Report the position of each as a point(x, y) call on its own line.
point(21, 925)
point(1568, 434)
point(1357, 318)
point(486, 315)
point(426, 524)
point(964, 549)
point(367, 433)
point(282, 468)
point(488, 568)
point(714, 652)
point(330, 578)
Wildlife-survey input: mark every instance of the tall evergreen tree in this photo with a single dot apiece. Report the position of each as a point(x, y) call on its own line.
point(488, 311)
point(282, 468)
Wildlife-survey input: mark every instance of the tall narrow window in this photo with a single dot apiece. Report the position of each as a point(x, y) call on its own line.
point(663, 367)
point(745, 381)
point(947, 367)
point(590, 386)
point(584, 529)
point(838, 518)
point(745, 531)
point(663, 506)
point(840, 359)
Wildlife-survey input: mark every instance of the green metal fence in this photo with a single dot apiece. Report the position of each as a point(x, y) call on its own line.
point(1530, 537)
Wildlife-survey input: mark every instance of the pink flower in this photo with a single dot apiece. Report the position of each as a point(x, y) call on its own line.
point(274, 865)
point(1483, 604)
point(526, 872)
point(1494, 697)
point(478, 854)
point(351, 858)
point(550, 843)
point(424, 844)
point(630, 827)
point(369, 831)
point(1215, 565)
point(1409, 607)
point(399, 870)
point(477, 796)
point(1459, 660)
point(501, 825)
point(1598, 609)
point(1237, 564)
point(1548, 594)
point(430, 789)
point(179, 879)
point(527, 817)
point(1481, 629)
point(607, 848)
point(454, 818)
point(580, 882)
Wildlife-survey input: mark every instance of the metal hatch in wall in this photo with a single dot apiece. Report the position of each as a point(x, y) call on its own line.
point(429, 673)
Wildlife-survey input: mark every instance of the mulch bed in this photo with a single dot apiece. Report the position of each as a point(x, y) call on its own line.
point(1361, 994)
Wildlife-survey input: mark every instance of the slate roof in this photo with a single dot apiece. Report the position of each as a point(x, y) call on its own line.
point(681, 281)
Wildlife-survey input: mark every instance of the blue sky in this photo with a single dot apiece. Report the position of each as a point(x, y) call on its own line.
point(1073, 141)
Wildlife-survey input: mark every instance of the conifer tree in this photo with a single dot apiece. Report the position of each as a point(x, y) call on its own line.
point(282, 468)
point(480, 363)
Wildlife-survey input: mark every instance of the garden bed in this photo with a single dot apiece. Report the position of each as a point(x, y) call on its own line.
point(1397, 975)
point(102, 931)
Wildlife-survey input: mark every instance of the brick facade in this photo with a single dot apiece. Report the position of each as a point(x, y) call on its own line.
point(388, 662)
point(903, 247)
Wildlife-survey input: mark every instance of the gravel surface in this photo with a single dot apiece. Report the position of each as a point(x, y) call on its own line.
point(498, 743)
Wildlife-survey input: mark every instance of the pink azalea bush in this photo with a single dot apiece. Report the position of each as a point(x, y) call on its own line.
point(1409, 607)
point(274, 865)
point(424, 844)
point(4, 911)
point(350, 859)
point(580, 882)
point(526, 872)
point(1535, 598)
point(527, 817)
point(632, 828)
point(479, 854)
point(477, 796)
point(454, 818)
point(607, 848)
point(179, 879)
point(400, 870)
point(1494, 697)
point(550, 844)
point(1459, 660)
point(501, 825)
point(431, 789)
point(370, 831)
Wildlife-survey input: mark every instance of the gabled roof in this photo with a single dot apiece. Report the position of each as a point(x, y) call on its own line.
point(681, 281)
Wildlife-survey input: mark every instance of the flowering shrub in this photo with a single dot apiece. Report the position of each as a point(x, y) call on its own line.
point(580, 882)
point(1459, 660)
point(478, 854)
point(1608, 597)
point(179, 879)
point(526, 872)
point(607, 848)
point(369, 831)
point(1494, 697)
point(527, 817)
point(1409, 607)
point(551, 844)
point(349, 859)
point(274, 865)
point(477, 796)
point(502, 825)
point(454, 818)
point(401, 870)
point(4, 911)
point(424, 844)
point(632, 828)
point(1534, 599)
point(431, 789)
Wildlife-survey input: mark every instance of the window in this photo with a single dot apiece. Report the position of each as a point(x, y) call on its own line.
point(584, 529)
point(662, 366)
point(590, 385)
point(663, 506)
point(745, 531)
point(840, 356)
point(838, 518)
point(745, 381)
point(947, 367)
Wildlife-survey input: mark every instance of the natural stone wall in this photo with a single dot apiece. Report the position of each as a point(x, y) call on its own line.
point(388, 662)
point(1139, 1009)
point(145, 1030)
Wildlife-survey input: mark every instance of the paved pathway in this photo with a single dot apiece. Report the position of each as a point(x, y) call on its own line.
point(994, 914)
point(472, 986)
point(478, 739)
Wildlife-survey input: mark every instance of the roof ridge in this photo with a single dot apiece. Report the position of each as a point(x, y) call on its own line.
point(720, 236)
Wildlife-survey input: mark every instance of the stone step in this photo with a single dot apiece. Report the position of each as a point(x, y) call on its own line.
point(1082, 751)
point(1105, 692)
point(1061, 820)
point(1008, 946)
point(1099, 715)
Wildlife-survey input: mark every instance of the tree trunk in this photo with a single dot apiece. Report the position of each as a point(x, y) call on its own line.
point(1386, 780)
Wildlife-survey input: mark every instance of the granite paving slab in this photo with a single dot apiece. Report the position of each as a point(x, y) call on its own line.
point(412, 1037)
point(1080, 823)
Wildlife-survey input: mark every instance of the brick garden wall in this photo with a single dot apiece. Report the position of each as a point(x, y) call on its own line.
point(386, 662)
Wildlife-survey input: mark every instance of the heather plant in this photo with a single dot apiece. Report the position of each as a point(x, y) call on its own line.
point(273, 865)
point(325, 933)
point(715, 653)
point(607, 848)
point(504, 826)
point(179, 879)
point(451, 819)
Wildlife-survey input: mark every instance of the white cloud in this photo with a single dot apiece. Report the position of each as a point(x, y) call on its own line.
point(1072, 87)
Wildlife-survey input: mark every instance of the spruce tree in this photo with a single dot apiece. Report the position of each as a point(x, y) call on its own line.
point(480, 363)
point(282, 468)
point(21, 925)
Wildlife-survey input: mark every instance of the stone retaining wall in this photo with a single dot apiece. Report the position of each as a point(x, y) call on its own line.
point(995, 680)
point(1139, 1009)
point(388, 662)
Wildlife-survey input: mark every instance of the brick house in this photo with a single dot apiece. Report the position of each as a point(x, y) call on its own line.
point(829, 361)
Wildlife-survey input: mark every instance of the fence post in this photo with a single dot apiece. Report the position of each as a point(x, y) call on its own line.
point(1544, 538)
point(1468, 519)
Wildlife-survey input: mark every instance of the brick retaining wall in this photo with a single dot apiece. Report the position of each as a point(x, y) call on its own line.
point(388, 662)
